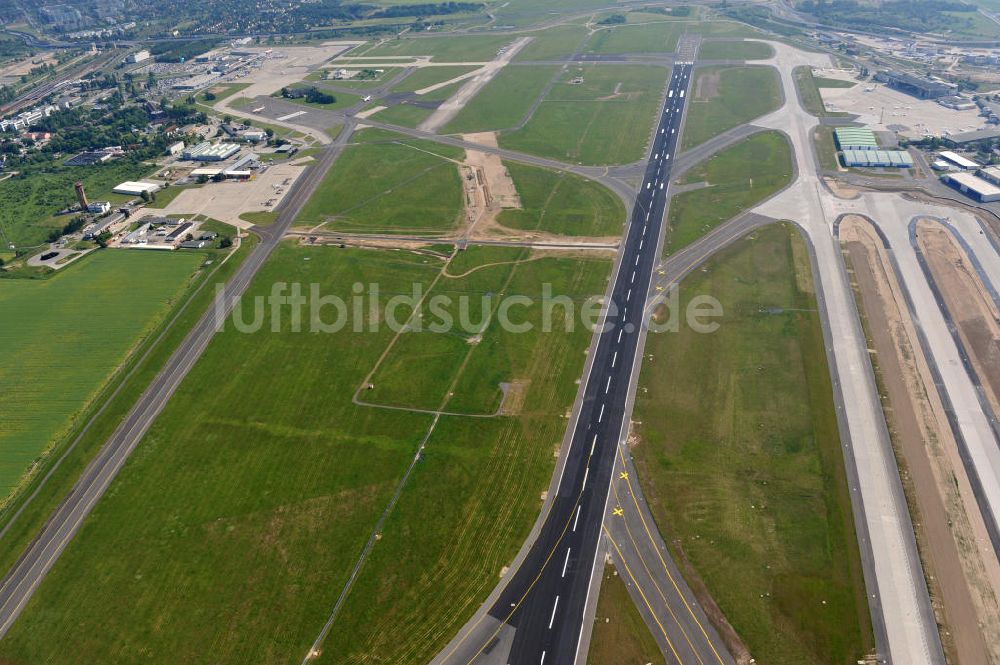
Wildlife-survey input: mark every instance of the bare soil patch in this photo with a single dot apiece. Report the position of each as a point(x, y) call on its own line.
point(708, 86)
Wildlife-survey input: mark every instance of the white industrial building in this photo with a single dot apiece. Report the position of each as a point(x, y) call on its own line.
point(131, 188)
point(209, 152)
point(99, 207)
point(961, 162)
point(138, 56)
point(973, 186)
point(176, 148)
point(991, 174)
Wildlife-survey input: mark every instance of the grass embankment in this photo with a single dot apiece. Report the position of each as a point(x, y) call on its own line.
point(562, 203)
point(723, 97)
point(110, 405)
point(61, 337)
point(503, 102)
point(604, 119)
point(735, 50)
point(276, 478)
point(400, 185)
point(809, 85)
point(826, 149)
point(738, 178)
point(740, 458)
point(620, 635)
point(28, 203)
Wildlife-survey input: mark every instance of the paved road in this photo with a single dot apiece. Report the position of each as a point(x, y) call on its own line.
point(539, 615)
point(31, 568)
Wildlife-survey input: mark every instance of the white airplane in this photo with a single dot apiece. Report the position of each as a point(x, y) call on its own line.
point(367, 98)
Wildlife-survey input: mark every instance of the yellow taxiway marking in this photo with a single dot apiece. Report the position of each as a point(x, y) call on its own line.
point(623, 475)
point(618, 511)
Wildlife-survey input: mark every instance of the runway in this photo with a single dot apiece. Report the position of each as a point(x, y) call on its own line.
point(540, 615)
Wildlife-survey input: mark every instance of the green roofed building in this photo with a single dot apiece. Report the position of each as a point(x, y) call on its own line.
point(855, 138)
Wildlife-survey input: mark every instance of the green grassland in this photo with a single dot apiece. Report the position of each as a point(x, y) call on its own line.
point(659, 37)
point(92, 315)
point(276, 479)
point(503, 102)
point(607, 119)
point(557, 42)
point(271, 483)
point(22, 517)
point(428, 76)
point(404, 115)
point(421, 369)
point(435, 562)
point(738, 178)
point(478, 48)
point(735, 50)
point(562, 204)
point(723, 97)
point(740, 459)
point(390, 185)
point(341, 99)
point(620, 635)
point(808, 87)
point(826, 149)
point(28, 203)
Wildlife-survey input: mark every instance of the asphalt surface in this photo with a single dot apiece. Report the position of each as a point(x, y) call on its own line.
point(39, 557)
point(545, 600)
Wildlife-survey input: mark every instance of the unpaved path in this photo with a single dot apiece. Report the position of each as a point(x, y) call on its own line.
point(957, 572)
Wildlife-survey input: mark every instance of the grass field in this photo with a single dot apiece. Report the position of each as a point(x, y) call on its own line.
point(404, 115)
point(606, 119)
point(93, 314)
point(557, 42)
point(168, 194)
point(341, 100)
point(409, 186)
point(735, 50)
point(478, 48)
point(620, 636)
point(660, 37)
point(723, 97)
point(502, 103)
point(428, 76)
point(808, 87)
point(28, 203)
point(738, 177)
point(740, 459)
point(276, 479)
point(562, 203)
point(826, 149)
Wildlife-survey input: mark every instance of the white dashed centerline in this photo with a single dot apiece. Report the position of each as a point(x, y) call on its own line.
point(576, 519)
point(553, 617)
point(566, 562)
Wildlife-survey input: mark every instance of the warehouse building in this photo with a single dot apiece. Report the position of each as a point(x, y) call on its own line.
point(855, 138)
point(958, 161)
point(209, 152)
point(877, 158)
point(966, 138)
point(915, 85)
point(130, 188)
point(138, 56)
point(991, 174)
point(973, 186)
